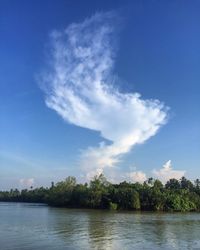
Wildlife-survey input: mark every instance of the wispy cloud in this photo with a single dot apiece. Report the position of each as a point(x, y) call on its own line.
point(167, 172)
point(79, 88)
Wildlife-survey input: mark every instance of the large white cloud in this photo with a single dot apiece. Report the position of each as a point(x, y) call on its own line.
point(79, 88)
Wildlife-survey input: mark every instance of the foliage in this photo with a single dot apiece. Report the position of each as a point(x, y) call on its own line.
point(176, 195)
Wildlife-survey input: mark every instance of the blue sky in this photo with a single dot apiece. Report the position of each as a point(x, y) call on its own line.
point(156, 54)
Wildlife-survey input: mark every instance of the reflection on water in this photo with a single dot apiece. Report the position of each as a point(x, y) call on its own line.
point(35, 226)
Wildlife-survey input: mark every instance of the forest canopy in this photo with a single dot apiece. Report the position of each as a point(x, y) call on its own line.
point(176, 195)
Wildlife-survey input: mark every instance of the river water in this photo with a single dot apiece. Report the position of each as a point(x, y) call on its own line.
point(34, 226)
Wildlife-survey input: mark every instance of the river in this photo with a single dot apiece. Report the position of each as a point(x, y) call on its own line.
point(26, 226)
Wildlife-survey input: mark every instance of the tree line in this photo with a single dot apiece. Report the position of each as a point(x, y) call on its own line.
point(176, 195)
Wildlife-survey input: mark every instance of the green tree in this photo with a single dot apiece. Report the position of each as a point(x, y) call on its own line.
point(173, 184)
point(186, 184)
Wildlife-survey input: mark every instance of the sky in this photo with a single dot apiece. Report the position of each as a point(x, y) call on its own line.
point(90, 87)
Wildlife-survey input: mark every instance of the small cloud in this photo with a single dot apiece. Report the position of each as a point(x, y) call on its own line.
point(137, 176)
point(167, 172)
point(168, 166)
point(27, 182)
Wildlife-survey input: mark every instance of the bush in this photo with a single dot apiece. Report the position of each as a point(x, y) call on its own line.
point(112, 206)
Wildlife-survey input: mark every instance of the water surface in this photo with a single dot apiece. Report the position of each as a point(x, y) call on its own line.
point(34, 226)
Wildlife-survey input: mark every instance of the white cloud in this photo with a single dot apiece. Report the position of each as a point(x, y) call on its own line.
point(166, 172)
point(137, 176)
point(78, 88)
point(27, 182)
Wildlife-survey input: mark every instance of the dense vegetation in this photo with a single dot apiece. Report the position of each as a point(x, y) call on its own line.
point(152, 195)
